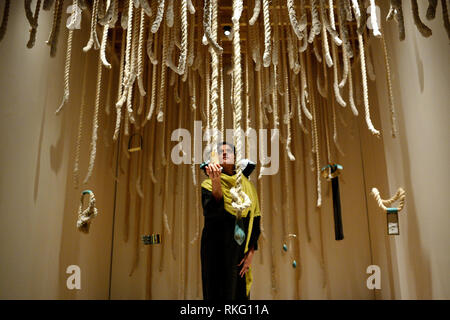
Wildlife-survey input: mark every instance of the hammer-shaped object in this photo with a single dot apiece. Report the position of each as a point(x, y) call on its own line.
point(331, 173)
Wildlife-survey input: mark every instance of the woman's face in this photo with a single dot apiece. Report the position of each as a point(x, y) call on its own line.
point(226, 156)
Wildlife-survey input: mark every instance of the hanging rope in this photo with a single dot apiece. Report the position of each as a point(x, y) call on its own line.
point(76, 168)
point(153, 94)
point(424, 30)
point(93, 40)
point(395, 12)
point(120, 89)
point(394, 130)
point(53, 38)
point(33, 20)
point(400, 195)
point(298, 27)
point(214, 79)
point(140, 72)
point(267, 34)
point(108, 23)
point(159, 16)
point(66, 71)
point(364, 82)
point(316, 140)
point(95, 122)
point(162, 90)
point(85, 216)
point(240, 200)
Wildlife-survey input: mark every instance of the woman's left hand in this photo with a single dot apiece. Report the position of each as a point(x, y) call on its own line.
point(246, 262)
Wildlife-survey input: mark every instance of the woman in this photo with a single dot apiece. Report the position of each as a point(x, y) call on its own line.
point(226, 273)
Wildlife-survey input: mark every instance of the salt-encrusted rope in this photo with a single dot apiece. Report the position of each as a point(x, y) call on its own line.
point(162, 91)
point(394, 131)
point(222, 103)
point(129, 76)
point(76, 168)
point(140, 73)
point(350, 89)
point(364, 82)
point(315, 136)
point(153, 94)
point(181, 68)
point(159, 16)
point(297, 26)
point(66, 71)
point(120, 88)
point(267, 34)
point(33, 20)
point(299, 107)
point(241, 201)
point(95, 122)
point(256, 11)
point(304, 87)
point(424, 30)
point(132, 71)
point(293, 60)
point(400, 195)
point(396, 12)
point(85, 216)
point(53, 38)
point(334, 35)
point(110, 8)
point(316, 25)
point(93, 40)
point(207, 12)
point(347, 47)
point(337, 91)
point(325, 45)
point(214, 76)
point(191, 44)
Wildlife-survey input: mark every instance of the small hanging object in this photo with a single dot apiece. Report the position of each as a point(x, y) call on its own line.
point(85, 217)
point(331, 173)
point(154, 238)
point(136, 148)
point(239, 234)
point(285, 249)
point(392, 221)
point(392, 213)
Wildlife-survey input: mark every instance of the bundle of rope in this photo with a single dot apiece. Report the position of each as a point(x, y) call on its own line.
point(241, 201)
point(400, 196)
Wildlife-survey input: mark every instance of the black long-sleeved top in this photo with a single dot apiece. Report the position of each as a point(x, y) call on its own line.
point(220, 253)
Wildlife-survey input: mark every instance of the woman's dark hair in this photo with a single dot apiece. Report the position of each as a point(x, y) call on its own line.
point(220, 144)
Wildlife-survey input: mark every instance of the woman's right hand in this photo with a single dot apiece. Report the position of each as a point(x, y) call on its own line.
point(213, 171)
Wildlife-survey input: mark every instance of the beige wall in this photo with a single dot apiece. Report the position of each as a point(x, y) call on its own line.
point(418, 159)
point(38, 202)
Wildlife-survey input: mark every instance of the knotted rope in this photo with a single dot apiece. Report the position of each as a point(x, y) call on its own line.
point(400, 195)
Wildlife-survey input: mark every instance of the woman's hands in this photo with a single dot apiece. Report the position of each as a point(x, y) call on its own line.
point(246, 262)
point(213, 171)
